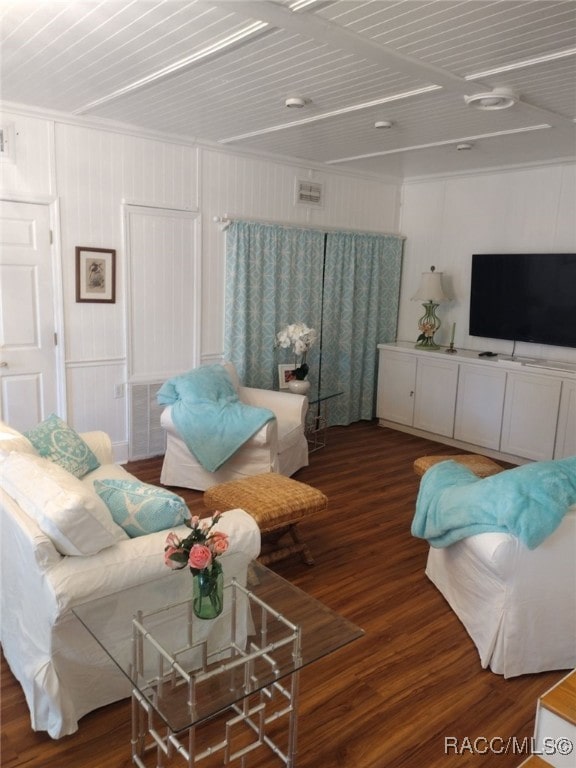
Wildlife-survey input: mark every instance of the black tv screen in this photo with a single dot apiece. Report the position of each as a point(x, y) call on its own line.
point(524, 297)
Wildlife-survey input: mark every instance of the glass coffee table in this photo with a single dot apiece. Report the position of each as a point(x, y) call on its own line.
point(216, 698)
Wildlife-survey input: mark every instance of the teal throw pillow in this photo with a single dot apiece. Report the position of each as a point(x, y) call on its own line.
point(55, 440)
point(140, 508)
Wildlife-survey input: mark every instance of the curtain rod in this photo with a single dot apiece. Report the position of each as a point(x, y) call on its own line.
point(228, 218)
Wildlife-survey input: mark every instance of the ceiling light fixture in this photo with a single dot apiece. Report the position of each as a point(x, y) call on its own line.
point(383, 124)
point(295, 101)
point(463, 146)
point(331, 114)
point(497, 98)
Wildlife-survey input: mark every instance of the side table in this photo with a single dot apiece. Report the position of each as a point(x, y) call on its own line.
point(317, 418)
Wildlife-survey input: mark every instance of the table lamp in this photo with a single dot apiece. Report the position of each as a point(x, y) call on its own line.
point(431, 293)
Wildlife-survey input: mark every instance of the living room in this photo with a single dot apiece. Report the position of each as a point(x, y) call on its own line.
point(96, 181)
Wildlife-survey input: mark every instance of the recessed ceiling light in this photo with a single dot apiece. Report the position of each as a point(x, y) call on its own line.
point(383, 124)
point(295, 101)
point(497, 98)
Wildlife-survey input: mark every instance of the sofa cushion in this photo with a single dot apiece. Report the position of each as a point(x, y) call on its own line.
point(64, 508)
point(141, 508)
point(57, 441)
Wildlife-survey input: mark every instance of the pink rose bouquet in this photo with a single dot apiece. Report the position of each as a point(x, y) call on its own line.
point(199, 549)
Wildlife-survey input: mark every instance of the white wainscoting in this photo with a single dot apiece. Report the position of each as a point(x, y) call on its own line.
point(98, 399)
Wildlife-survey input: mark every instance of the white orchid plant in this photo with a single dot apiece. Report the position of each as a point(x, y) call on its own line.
point(300, 338)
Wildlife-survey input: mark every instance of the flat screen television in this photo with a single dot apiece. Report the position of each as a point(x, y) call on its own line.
point(524, 297)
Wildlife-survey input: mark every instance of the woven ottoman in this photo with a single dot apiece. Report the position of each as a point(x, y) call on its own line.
point(480, 465)
point(278, 504)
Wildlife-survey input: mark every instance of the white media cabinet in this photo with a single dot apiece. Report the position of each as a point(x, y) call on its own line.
point(515, 409)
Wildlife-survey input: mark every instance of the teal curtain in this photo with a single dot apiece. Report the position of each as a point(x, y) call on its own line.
point(344, 284)
point(273, 278)
point(360, 311)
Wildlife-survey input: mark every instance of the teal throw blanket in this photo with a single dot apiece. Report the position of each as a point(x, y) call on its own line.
point(528, 502)
point(208, 414)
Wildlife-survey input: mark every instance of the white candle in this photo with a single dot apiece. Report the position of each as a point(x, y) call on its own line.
point(453, 332)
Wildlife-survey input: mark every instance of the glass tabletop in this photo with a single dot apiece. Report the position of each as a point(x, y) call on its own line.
point(190, 669)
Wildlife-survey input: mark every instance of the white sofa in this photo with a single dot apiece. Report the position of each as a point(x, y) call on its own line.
point(518, 605)
point(279, 446)
point(64, 673)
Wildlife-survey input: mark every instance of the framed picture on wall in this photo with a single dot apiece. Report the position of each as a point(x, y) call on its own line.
point(96, 275)
point(285, 374)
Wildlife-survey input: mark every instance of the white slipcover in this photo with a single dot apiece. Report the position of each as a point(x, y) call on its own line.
point(279, 446)
point(517, 605)
point(63, 671)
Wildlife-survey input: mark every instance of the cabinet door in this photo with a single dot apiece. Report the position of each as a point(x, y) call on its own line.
point(479, 405)
point(436, 382)
point(396, 383)
point(530, 415)
point(566, 434)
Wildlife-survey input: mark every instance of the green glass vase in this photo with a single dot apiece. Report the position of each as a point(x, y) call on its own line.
point(208, 591)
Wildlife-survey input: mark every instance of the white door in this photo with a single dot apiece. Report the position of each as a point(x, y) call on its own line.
point(28, 391)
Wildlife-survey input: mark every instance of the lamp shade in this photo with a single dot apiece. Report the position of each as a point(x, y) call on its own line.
point(430, 288)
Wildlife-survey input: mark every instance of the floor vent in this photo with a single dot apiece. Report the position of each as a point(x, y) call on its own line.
point(147, 437)
point(309, 193)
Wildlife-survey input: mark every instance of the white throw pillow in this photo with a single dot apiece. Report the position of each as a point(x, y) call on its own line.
point(65, 509)
point(12, 440)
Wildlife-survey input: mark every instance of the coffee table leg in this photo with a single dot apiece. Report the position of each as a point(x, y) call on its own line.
point(293, 723)
point(138, 731)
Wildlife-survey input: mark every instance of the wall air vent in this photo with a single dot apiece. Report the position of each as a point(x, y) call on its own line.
point(309, 193)
point(147, 436)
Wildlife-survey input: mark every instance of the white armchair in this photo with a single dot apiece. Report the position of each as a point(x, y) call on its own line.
point(279, 446)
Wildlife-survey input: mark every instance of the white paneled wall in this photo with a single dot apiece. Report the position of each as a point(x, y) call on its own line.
point(28, 171)
point(98, 396)
point(264, 189)
point(447, 220)
point(163, 294)
point(95, 173)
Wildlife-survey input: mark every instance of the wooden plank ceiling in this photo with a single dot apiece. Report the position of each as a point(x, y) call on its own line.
point(221, 71)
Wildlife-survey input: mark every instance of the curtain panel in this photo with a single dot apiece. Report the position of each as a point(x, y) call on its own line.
point(360, 311)
point(273, 278)
point(344, 284)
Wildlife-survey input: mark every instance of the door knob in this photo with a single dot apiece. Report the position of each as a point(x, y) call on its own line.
point(3, 364)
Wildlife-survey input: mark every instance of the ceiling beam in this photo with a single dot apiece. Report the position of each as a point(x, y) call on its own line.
point(310, 25)
point(315, 27)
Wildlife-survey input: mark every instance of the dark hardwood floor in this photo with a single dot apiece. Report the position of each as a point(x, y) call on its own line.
point(390, 699)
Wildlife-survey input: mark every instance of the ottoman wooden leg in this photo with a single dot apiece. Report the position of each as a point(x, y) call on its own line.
point(283, 550)
point(304, 549)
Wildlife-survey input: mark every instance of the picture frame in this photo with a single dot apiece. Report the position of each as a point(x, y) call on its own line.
point(95, 275)
point(285, 374)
